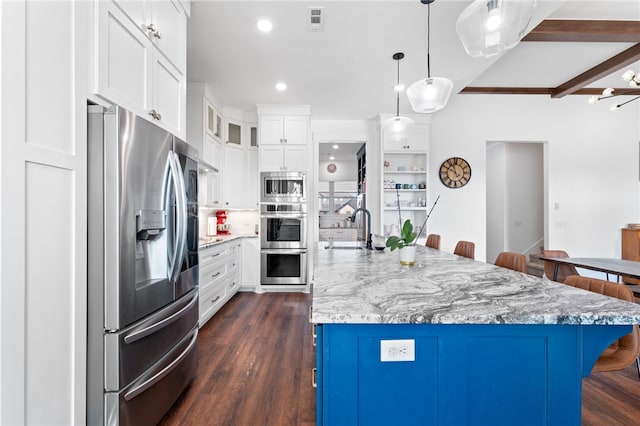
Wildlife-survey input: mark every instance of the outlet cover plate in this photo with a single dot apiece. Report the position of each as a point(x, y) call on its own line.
point(397, 350)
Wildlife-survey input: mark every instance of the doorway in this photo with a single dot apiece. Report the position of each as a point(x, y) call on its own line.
point(515, 198)
point(338, 190)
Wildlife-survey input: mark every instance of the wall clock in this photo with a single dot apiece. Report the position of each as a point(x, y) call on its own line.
point(455, 172)
point(331, 168)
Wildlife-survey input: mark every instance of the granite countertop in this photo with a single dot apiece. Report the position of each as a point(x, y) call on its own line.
point(371, 287)
point(205, 242)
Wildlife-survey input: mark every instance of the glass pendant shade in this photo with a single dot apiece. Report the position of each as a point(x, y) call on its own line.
point(429, 94)
point(396, 128)
point(488, 27)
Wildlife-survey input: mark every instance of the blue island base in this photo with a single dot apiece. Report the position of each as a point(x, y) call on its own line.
point(462, 374)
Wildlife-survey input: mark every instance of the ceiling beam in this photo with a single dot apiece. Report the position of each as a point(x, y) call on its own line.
point(541, 91)
point(601, 70)
point(585, 31)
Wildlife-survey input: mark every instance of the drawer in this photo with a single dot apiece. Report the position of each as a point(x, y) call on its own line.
point(211, 300)
point(233, 282)
point(213, 254)
point(213, 273)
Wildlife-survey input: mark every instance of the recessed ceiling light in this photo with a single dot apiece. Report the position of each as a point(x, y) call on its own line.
point(332, 158)
point(281, 86)
point(264, 25)
point(336, 146)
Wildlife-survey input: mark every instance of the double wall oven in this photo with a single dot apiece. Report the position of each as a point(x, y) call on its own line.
point(283, 241)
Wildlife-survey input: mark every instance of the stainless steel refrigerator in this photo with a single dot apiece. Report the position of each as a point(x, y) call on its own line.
point(143, 268)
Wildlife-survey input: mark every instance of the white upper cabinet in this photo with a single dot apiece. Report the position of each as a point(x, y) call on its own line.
point(275, 130)
point(123, 54)
point(140, 59)
point(284, 135)
point(167, 94)
point(164, 24)
point(168, 31)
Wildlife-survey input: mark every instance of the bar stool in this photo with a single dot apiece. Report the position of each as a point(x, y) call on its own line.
point(626, 349)
point(564, 271)
point(513, 261)
point(465, 249)
point(433, 241)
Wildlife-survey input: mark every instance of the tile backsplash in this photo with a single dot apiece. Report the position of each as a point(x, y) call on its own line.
point(241, 222)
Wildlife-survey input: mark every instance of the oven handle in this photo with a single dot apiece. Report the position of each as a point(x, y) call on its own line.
point(284, 251)
point(284, 216)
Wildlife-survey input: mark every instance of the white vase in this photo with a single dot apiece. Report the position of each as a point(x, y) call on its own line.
point(407, 255)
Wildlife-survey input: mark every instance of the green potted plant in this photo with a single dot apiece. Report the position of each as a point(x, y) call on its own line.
point(405, 243)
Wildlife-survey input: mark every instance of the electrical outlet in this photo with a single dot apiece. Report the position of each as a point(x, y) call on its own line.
point(397, 350)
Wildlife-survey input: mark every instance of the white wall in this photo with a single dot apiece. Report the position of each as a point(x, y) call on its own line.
point(496, 153)
point(524, 211)
point(592, 167)
point(346, 170)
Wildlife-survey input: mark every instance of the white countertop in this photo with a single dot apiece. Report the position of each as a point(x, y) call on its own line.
point(371, 287)
point(205, 242)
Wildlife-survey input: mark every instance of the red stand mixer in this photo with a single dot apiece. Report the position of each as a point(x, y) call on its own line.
point(223, 227)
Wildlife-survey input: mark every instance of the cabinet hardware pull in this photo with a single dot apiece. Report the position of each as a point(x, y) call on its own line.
point(152, 30)
point(216, 254)
point(215, 275)
point(310, 312)
point(314, 333)
point(216, 299)
point(155, 114)
point(314, 373)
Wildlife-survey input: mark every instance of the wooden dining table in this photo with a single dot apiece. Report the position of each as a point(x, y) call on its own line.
point(619, 267)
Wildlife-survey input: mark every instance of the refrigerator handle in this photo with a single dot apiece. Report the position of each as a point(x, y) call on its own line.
point(137, 390)
point(181, 213)
point(141, 334)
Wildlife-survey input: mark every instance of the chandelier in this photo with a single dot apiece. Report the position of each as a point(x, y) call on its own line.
point(630, 77)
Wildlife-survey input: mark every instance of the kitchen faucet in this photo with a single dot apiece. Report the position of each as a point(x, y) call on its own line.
point(353, 218)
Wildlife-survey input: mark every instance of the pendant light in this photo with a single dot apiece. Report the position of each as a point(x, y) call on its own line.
point(395, 128)
point(432, 93)
point(488, 27)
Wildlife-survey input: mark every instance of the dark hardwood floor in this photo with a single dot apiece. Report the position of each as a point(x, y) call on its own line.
point(256, 356)
point(255, 367)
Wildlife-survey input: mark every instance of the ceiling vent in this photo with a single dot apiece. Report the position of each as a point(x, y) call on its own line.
point(316, 18)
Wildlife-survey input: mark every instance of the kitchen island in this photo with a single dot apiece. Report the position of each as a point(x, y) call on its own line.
point(486, 345)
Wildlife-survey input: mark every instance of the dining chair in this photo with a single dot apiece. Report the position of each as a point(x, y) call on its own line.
point(465, 249)
point(564, 271)
point(433, 241)
point(510, 260)
point(621, 353)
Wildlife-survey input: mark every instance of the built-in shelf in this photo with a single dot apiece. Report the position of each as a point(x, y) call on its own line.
point(404, 190)
point(406, 172)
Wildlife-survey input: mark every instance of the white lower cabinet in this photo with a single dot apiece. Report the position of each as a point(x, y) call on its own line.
point(250, 264)
point(219, 277)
